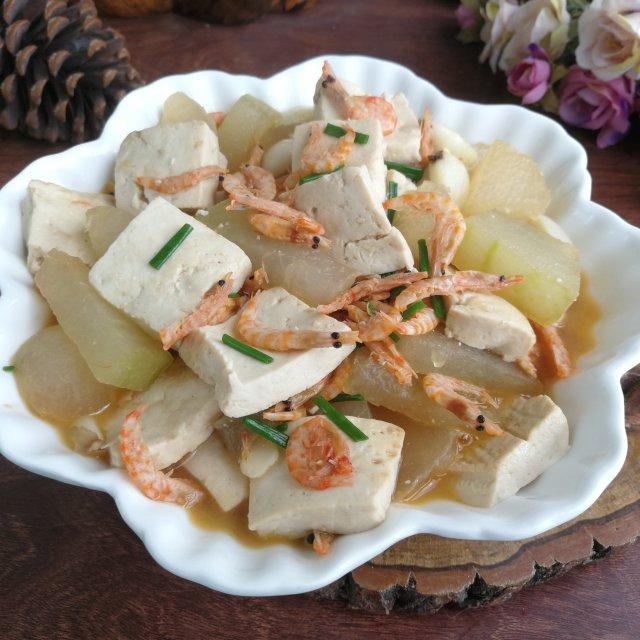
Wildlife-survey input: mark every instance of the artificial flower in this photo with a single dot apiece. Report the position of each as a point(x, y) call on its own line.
point(592, 103)
point(529, 78)
point(609, 38)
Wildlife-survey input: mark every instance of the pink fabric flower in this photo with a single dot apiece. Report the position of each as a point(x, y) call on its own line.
point(530, 77)
point(592, 103)
point(466, 17)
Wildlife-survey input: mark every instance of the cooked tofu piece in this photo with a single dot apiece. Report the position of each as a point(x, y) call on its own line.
point(279, 505)
point(162, 151)
point(486, 321)
point(213, 466)
point(243, 385)
point(158, 297)
point(369, 155)
point(55, 218)
point(181, 410)
point(346, 204)
point(405, 185)
point(323, 107)
point(403, 145)
point(498, 467)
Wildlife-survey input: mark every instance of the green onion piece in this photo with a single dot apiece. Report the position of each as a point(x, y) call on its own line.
point(235, 295)
point(396, 291)
point(341, 421)
point(266, 431)
point(8, 367)
point(371, 308)
point(423, 264)
point(347, 397)
point(170, 247)
point(315, 176)
point(392, 192)
point(423, 256)
point(248, 350)
point(412, 309)
point(394, 336)
point(337, 132)
point(413, 173)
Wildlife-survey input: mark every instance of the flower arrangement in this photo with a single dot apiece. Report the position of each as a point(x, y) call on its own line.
point(577, 58)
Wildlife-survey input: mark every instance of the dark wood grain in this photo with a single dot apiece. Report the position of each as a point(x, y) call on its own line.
point(69, 567)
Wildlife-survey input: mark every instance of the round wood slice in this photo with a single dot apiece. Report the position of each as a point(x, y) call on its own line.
point(427, 572)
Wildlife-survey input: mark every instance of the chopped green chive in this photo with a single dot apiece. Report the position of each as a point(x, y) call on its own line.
point(413, 173)
point(315, 176)
point(423, 256)
point(423, 264)
point(235, 295)
point(248, 350)
point(170, 247)
point(337, 132)
point(348, 397)
point(371, 308)
point(340, 420)
point(8, 367)
point(412, 309)
point(396, 291)
point(394, 336)
point(392, 192)
point(266, 431)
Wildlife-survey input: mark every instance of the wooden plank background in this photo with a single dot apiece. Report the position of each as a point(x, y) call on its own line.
point(69, 567)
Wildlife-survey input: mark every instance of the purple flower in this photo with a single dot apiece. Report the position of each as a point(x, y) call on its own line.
point(466, 17)
point(589, 102)
point(530, 77)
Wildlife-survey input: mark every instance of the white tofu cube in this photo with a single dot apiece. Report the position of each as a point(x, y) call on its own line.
point(213, 466)
point(156, 298)
point(403, 145)
point(279, 505)
point(55, 218)
point(244, 385)
point(346, 205)
point(369, 155)
point(181, 410)
point(498, 467)
point(162, 151)
point(486, 321)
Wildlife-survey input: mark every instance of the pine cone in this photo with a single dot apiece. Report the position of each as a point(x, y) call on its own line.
point(235, 11)
point(61, 72)
point(132, 8)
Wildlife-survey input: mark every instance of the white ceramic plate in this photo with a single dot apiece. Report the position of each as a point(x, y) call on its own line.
point(591, 399)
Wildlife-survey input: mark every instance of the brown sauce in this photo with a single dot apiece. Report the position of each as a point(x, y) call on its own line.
point(578, 334)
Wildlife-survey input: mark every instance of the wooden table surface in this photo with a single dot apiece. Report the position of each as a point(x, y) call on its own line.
point(70, 568)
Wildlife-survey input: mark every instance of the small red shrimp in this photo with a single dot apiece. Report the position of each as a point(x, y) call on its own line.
point(458, 282)
point(385, 353)
point(215, 304)
point(449, 229)
point(375, 327)
point(143, 472)
point(422, 322)
point(257, 281)
point(284, 416)
point(322, 542)
point(447, 392)
point(426, 138)
point(317, 455)
point(554, 349)
point(259, 334)
point(358, 107)
point(286, 230)
point(369, 287)
point(171, 185)
point(318, 158)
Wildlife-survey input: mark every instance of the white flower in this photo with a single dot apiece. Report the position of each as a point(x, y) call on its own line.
point(510, 28)
point(609, 38)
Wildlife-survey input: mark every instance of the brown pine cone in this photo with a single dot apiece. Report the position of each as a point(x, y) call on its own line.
point(61, 72)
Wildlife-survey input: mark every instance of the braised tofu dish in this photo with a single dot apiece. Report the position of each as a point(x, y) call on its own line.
point(295, 319)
